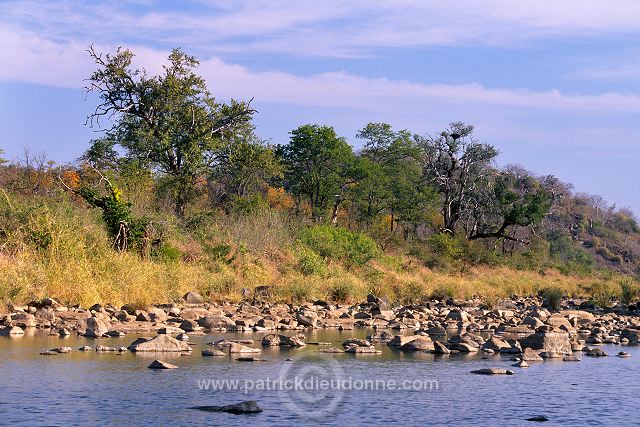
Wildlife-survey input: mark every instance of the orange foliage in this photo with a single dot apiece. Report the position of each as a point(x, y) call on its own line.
point(279, 199)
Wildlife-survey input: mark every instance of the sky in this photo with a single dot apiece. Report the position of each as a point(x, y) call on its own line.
point(554, 85)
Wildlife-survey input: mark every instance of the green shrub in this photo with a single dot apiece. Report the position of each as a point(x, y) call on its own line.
point(167, 253)
point(340, 244)
point(552, 297)
point(309, 262)
point(445, 245)
point(629, 291)
point(409, 293)
point(341, 291)
point(601, 294)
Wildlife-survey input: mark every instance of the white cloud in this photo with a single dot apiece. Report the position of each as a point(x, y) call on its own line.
point(30, 58)
point(327, 28)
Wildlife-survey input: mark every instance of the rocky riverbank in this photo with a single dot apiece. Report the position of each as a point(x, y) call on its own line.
point(521, 327)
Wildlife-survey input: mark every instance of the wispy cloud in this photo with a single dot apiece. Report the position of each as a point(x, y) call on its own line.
point(330, 28)
point(28, 57)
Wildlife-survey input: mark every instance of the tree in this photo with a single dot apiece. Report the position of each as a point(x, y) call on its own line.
point(393, 183)
point(170, 121)
point(319, 167)
point(244, 165)
point(460, 169)
point(518, 199)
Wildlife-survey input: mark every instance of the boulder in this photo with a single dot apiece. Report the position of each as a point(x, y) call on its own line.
point(439, 348)
point(633, 335)
point(548, 340)
point(493, 371)
point(356, 342)
point(209, 352)
point(276, 340)
point(193, 297)
point(159, 364)
point(463, 347)
point(235, 348)
point(420, 343)
point(530, 355)
point(216, 322)
point(93, 327)
point(159, 343)
point(248, 407)
point(354, 349)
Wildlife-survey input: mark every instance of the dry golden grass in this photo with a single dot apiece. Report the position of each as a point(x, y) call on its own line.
point(78, 266)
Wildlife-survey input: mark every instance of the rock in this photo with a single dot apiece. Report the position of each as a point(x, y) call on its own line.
point(216, 322)
point(85, 348)
point(420, 343)
point(62, 350)
point(530, 355)
point(143, 316)
point(439, 348)
point(123, 316)
point(276, 340)
point(333, 350)
point(250, 359)
point(354, 349)
point(190, 326)
point(632, 335)
point(93, 327)
point(49, 353)
point(159, 343)
point(596, 352)
point(571, 358)
point(623, 354)
point(64, 332)
point(159, 364)
point(496, 344)
point(550, 341)
point(382, 337)
point(183, 337)
point(356, 342)
point(306, 319)
point(538, 418)
point(493, 371)
point(116, 333)
point(105, 349)
point(521, 364)
point(248, 407)
point(170, 330)
point(551, 355)
point(235, 348)
point(193, 297)
point(213, 353)
point(14, 331)
point(463, 347)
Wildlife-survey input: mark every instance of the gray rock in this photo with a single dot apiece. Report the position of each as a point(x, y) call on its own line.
point(549, 341)
point(193, 297)
point(93, 327)
point(248, 407)
point(159, 343)
point(209, 352)
point(420, 343)
point(493, 371)
point(235, 348)
point(439, 348)
point(276, 340)
point(159, 364)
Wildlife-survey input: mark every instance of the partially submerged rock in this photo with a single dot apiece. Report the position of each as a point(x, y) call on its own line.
point(159, 364)
point(159, 343)
point(493, 371)
point(248, 407)
point(209, 352)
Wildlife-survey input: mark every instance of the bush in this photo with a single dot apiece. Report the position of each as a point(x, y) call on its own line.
point(167, 253)
point(409, 293)
point(341, 292)
point(629, 292)
point(309, 262)
point(340, 244)
point(601, 294)
point(552, 297)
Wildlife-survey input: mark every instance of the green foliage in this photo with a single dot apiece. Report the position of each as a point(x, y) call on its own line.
point(552, 297)
point(318, 166)
point(169, 121)
point(341, 292)
point(409, 293)
point(310, 263)
point(601, 294)
point(125, 230)
point(340, 244)
point(167, 253)
point(445, 245)
point(629, 291)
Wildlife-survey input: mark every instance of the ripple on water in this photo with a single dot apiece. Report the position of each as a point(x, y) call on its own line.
point(108, 389)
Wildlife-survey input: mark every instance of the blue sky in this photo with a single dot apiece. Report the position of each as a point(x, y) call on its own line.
point(554, 85)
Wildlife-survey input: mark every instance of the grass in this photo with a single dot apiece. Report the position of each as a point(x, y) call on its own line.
point(61, 250)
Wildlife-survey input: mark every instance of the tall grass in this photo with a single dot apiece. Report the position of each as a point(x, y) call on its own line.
point(57, 248)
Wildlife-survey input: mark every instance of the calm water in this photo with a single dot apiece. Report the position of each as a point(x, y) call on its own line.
point(108, 389)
